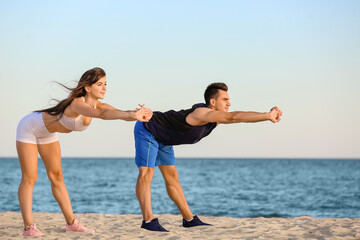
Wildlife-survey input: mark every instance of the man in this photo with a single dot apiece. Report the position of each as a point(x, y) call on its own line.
point(154, 141)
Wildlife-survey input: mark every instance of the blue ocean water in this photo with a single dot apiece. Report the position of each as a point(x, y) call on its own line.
point(213, 187)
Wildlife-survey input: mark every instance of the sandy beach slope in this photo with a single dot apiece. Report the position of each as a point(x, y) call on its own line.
point(110, 226)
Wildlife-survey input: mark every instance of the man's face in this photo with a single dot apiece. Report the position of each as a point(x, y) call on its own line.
point(221, 102)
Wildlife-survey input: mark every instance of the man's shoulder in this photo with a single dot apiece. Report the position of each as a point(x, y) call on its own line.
point(199, 105)
point(199, 116)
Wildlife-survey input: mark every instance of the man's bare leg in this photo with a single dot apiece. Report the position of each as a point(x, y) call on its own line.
point(176, 194)
point(175, 190)
point(143, 192)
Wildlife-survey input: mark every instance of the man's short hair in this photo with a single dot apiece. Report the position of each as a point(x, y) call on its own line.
point(212, 91)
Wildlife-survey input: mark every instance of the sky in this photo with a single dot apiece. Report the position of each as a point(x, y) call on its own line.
point(302, 56)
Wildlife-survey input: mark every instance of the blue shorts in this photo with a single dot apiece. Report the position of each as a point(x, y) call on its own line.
point(149, 152)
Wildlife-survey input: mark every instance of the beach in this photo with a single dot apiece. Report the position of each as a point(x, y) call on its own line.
point(127, 226)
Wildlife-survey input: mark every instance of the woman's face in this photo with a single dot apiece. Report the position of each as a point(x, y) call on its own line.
point(98, 89)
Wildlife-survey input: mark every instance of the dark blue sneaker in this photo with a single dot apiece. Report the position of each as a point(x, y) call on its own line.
point(154, 225)
point(195, 222)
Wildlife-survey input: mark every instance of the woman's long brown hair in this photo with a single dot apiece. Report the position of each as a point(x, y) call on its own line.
point(87, 79)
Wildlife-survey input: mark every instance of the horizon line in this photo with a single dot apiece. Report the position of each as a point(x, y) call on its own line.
point(242, 158)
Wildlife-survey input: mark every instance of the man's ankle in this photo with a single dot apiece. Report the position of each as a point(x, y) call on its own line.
point(188, 217)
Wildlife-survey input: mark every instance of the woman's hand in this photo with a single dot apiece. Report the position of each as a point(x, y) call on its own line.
point(148, 113)
point(143, 114)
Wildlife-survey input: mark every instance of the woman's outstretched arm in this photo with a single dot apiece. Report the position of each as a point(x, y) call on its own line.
point(107, 112)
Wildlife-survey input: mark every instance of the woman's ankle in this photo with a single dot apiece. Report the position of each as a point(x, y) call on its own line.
point(71, 222)
point(27, 226)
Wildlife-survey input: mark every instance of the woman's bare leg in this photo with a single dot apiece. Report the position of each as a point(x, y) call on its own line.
point(51, 156)
point(28, 158)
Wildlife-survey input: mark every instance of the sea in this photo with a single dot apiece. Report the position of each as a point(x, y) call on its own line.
point(230, 187)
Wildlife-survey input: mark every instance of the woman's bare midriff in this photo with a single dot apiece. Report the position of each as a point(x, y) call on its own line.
point(52, 124)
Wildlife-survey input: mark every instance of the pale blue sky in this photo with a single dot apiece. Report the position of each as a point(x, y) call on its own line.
point(302, 56)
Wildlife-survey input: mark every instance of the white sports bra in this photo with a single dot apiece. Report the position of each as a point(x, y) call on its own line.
point(73, 124)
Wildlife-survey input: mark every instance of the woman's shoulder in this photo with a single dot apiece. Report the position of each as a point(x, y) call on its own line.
point(71, 109)
point(99, 104)
point(79, 99)
point(75, 100)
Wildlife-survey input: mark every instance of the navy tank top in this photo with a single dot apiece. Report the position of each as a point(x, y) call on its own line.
point(171, 128)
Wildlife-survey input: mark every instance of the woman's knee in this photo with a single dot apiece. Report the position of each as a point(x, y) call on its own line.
point(29, 179)
point(56, 177)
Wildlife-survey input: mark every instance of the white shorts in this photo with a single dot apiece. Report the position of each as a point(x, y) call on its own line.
point(31, 129)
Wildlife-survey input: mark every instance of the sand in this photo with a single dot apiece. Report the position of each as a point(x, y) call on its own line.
point(110, 226)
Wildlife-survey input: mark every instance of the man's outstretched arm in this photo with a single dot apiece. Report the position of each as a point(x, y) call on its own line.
point(202, 116)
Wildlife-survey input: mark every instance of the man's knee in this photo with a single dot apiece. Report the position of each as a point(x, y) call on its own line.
point(169, 171)
point(145, 174)
point(170, 174)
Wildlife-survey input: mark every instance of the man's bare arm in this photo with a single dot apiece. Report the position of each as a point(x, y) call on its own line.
point(202, 116)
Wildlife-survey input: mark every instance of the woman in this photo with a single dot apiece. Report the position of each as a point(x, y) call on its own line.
point(37, 134)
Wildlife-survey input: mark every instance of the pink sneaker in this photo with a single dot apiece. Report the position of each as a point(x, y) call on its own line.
point(78, 227)
point(32, 232)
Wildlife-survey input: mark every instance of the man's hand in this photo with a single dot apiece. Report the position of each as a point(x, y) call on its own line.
point(275, 114)
point(143, 114)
